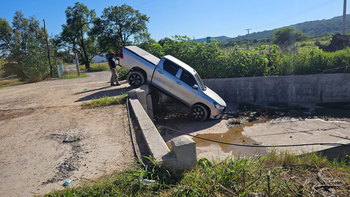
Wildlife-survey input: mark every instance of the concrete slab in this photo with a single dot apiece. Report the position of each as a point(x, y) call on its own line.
point(291, 131)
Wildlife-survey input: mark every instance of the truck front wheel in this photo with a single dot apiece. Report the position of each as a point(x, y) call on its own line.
point(198, 112)
point(136, 79)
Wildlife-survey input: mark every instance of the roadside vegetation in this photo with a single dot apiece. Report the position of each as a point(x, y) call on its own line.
point(106, 101)
point(273, 175)
point(293, 57)
point(10, 82)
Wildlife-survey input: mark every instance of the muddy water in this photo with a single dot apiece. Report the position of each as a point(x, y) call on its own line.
point(233, 135)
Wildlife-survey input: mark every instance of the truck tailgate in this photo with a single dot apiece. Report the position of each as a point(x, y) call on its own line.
point(143, 54)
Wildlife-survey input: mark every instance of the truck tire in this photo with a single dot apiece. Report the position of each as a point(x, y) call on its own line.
point(136, 79)
point(198, 112)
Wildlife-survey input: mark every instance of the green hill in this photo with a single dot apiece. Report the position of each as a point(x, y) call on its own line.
point(315, 28)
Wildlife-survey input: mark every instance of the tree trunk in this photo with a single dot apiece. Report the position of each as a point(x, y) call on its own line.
point(85, 56)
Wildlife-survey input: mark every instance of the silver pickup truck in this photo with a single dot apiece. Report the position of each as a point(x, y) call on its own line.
point(174, 78)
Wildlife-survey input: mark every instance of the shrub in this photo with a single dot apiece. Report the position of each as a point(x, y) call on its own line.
point(212, 62)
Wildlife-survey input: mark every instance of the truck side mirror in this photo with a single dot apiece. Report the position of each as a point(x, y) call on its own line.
point(195, 86)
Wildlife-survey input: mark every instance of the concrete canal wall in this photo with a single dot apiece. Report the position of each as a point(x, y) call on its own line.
point(289, 89)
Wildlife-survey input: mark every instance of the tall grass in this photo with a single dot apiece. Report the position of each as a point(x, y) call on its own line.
point(282, 174)
point(313, 61)
point(212, 62)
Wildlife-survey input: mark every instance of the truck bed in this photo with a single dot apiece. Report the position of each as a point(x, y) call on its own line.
point(143, 54)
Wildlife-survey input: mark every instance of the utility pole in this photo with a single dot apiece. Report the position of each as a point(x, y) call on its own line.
point(344, 17)
point(248, 37)
point(48, 49)
point(77, 63)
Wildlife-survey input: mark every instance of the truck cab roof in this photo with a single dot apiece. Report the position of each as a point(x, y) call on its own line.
point(180, 63)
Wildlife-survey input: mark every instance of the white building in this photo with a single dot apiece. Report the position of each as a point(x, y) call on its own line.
point(97, 59)
point(100, 58)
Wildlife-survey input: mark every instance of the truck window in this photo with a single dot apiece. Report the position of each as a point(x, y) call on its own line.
point(187, 78)
point(170, 67)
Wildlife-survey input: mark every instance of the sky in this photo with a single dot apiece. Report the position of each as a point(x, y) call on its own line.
point(192, 18)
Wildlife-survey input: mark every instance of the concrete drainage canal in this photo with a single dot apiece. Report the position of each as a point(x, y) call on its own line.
point(245, 130)
point(242, 131)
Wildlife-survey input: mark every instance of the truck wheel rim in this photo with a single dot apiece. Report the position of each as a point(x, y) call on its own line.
point(197, 113)
point(135, 79)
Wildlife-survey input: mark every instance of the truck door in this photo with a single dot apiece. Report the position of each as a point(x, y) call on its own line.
point(165, 75)
point(183, 87)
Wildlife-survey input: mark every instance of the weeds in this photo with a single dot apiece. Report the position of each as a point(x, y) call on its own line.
point(283, 174)
point(106, 101)
point(130, 182)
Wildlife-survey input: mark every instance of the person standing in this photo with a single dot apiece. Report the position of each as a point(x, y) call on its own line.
point(113, 67)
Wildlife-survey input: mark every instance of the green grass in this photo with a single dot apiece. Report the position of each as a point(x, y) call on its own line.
point(282, 174)
point(73, 74)
point(106, 101)
point(96, 67)
point(12, 82)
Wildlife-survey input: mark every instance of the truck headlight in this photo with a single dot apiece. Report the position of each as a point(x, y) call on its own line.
point(218, 106)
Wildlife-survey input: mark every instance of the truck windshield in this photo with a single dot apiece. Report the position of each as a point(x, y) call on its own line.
point(200, 82)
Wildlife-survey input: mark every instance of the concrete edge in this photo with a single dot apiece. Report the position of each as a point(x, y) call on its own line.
point(154, 140)
point(183, 154)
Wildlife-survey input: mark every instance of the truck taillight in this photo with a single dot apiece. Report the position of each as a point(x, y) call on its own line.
point(121, 56)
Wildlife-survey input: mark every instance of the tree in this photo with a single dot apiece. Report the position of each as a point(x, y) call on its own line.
point(164, 40)
point(288, 36)
point(144, 41)
point(75, 32)
point(24, 46)
point(116, 25)
point(5, 35)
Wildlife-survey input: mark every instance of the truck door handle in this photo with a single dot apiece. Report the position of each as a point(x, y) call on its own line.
point(178, 82)
point(160, 72)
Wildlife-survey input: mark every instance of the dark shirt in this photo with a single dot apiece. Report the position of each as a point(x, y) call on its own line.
point(111, 61)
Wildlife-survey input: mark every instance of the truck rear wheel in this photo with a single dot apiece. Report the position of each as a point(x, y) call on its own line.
point(136, 79)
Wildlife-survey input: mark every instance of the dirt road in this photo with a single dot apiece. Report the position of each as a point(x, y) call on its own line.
point(45, 136)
